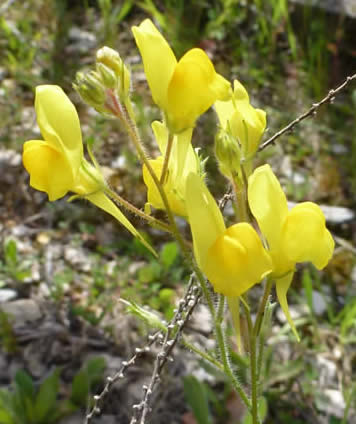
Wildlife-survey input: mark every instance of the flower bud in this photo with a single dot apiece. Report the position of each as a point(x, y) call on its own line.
point(112, 60)
point(90, 89)
point(108, 76)
point(228, 153)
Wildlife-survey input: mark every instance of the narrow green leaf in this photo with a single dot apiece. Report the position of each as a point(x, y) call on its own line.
point(197, 398)
point(80, 388)
point(11, 252)
point(95, 368)
point(25, 384)
point(46, 397)
point(169, 254)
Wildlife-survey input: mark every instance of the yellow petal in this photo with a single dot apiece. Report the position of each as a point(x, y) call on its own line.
point(268, 204)
point(305, 236)
point(48, 168)
point(182, 161)
point(153, 195)
point(282, 286)
point(240, 92)
point(236, 261)
point(193, 88)
point(158, 60)
point(171, 187)
point(206, 221)
point(225, 111)
point(161, 133)
point(100, 200)
point(246, 123)
point(59, 124)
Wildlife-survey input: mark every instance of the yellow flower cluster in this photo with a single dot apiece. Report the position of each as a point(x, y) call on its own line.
point(234, 258)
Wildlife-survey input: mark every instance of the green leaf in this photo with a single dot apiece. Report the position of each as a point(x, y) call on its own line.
point(6, 413)
point(197, 398)
point(10, 253)
point(80, 388)
point(25, 387)
point(95, 368)
point(169, 254)
point(149, 273)
point(21, 275)
point(262, 412)
point(46, 397)
point(5, 417)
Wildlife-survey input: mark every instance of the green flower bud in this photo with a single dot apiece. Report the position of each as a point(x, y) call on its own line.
point(228, 154)
point(90, 88)
point(107, 75)
point(112, 60)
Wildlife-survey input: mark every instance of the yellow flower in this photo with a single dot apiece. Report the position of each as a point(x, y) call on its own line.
point(56, 164)
point(298, 235)
point(239, 117)
point(182, 161)
point(233, 259)
point(183, 90)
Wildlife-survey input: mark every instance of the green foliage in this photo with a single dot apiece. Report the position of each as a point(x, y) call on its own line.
point(155, 274)
point(7, 336)
point(196, 395)
point(12, 266)
point(20, 42)
point(28, 404)
point(262, 412)
point(111, 16)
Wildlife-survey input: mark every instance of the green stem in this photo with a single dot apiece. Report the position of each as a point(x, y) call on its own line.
point(253, 368)
point(241, 199)
point(120, 112)
point(221, 340)
point(234, 307)
point(166, 159)
point(127, 205)
point(202, 354)
point(261, 309)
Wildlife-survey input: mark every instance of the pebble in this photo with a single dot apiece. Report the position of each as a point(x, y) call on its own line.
point(7, 294)
point(331, 403)
point(21, 311)
point(77, 258)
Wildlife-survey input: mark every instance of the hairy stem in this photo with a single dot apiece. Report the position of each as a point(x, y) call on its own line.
point(253, 368)
point(166, 159)
point(127, 205)
point(222, 345)
point(202, 354)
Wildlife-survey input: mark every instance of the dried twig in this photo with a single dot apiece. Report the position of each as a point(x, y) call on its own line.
point(175, 327)
point(327, 99)
point(98, 399)
point(226, 197)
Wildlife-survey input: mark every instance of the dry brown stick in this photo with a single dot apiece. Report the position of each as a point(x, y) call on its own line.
point(327, 99)
point(175, 327)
